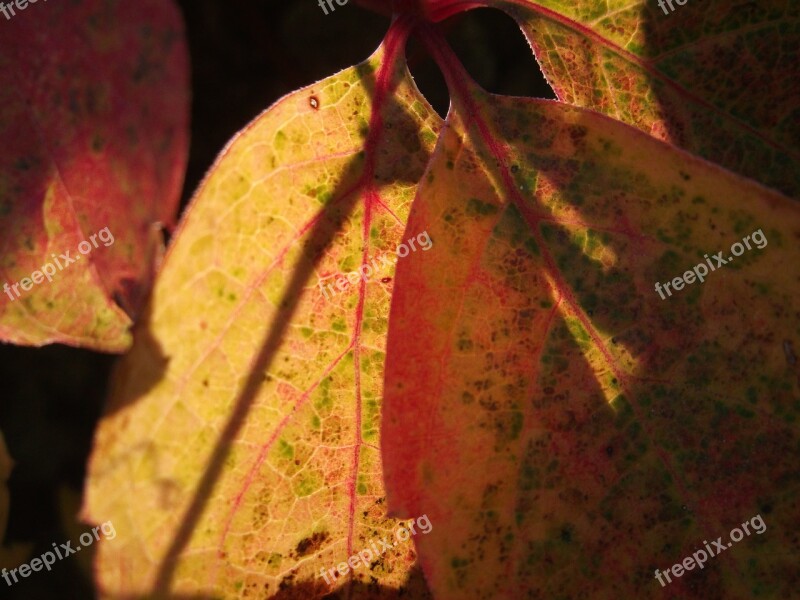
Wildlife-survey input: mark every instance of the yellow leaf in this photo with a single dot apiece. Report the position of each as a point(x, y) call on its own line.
point(240, 454)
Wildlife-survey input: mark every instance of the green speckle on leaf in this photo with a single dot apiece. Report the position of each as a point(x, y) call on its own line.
point(477, 207)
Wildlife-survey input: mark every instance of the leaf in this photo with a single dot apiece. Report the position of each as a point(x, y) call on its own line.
point(94, 113)
point(717, 79)
point(240, 452)
point(566, 429)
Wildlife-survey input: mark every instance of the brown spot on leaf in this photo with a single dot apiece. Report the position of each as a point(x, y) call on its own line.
point(311, 544)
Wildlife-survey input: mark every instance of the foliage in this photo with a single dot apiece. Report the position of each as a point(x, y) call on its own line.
point(566, 430)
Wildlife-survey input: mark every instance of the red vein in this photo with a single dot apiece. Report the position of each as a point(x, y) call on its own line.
point(394, 44)
point(462, 91)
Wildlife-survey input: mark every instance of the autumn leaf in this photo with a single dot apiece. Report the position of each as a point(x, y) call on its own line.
point(716, 78)
point(240, 453)
point(94, 117)
point(568, 428)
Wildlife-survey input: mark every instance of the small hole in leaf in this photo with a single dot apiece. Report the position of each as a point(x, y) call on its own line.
point(314, 102)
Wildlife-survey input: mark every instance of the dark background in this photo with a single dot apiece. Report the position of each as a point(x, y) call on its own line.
point(245, 55)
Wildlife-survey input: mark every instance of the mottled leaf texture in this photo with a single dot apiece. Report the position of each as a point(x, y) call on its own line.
point(716, 77)
point(94, 127)
point(566, 429)
point(240, 454)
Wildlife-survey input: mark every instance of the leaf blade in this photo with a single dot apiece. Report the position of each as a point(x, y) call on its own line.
point(302, 480)
point(95, 112)
point(708, 78)
point(552, 347)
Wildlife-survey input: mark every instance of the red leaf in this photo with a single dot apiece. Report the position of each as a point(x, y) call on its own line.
point(94, 120)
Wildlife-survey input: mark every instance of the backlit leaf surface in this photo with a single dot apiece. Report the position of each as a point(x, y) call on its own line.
point(94, 127)
point(566, 429)
point(718, 77)
point(241, 453)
